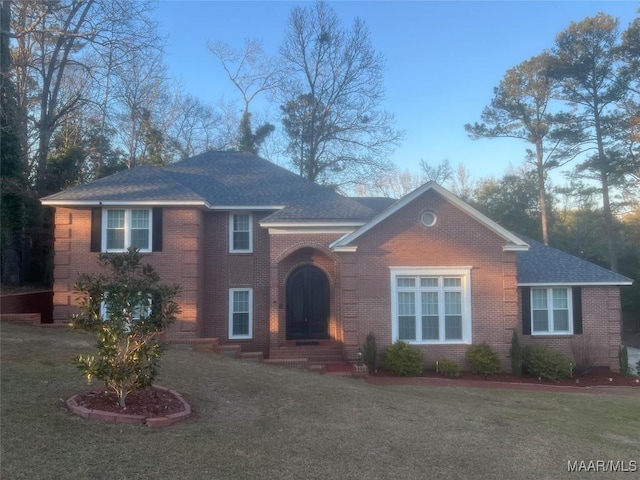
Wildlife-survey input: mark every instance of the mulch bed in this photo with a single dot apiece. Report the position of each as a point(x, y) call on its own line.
point(149, 403)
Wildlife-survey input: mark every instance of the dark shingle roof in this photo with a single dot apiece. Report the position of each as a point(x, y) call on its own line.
point(542, 264)
point(375, 203)
point(231, 179)
point(143, 183)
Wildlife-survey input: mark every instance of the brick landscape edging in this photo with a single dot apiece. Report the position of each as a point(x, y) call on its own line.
point(536, 387)
point(154, 422)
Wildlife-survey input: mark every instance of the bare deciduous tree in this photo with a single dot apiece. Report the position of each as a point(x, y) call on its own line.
point(394, 184)
point(337, 133)
point(249, 69)
point(63, 56)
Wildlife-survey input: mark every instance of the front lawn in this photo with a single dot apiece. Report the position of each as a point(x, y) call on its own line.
point(259, 422)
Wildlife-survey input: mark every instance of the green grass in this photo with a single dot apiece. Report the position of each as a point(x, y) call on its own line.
point(258, 422)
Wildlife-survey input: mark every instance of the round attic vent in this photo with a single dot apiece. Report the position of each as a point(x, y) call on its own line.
point(428, 219)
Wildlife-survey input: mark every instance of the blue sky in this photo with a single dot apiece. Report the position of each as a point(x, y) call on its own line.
point(443, 60)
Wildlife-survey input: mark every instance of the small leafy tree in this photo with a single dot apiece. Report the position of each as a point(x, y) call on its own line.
point(127, 306)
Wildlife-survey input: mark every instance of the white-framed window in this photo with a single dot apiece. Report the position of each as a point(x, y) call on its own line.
point(551, 311)
point(240, 233)
point(126, 227)
point(138, 312)
point(431, 305)
point(240, 313)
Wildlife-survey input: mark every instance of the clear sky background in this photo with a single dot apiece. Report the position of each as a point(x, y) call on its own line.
point(443, 60)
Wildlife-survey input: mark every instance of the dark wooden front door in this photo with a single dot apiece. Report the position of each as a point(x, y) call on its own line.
point(307, 304)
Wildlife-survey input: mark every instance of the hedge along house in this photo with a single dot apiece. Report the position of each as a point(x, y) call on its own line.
point(272, 263)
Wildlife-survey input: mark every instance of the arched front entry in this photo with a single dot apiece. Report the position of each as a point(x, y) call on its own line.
point(307, 304)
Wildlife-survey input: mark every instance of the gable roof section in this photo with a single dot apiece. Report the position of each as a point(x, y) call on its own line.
point(220, 181)
point(544, 265)
point(513, 242)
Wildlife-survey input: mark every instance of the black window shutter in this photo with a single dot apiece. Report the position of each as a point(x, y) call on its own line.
point(576, 294)
point(526, 310)
point(96, 230)
point(157, 230)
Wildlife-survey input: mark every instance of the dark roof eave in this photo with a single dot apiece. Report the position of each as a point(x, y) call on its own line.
point(312, 222)
point(620, 283)
point(124, 202)
point(543, 265)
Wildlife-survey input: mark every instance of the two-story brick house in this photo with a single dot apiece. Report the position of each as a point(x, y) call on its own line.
point(268, 260)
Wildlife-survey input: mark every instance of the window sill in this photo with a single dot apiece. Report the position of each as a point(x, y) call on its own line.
point(125, 251)
point(553, 335)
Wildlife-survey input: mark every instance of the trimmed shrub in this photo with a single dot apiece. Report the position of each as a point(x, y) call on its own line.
point(623, 360)
point(370, 353)
point(638, 368)
point(483, 359)
point(545, 363)
point(515, 353)
point(403, 360)
point(448, 368)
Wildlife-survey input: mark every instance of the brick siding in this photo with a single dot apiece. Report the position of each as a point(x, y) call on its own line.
point(455, 240)
point(601, 326)
point(196, 256)
point(224, 270)
point(179, 262)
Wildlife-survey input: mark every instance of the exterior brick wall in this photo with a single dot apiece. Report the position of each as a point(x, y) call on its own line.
point(224, 270)
point(455, 240)
point(179, 262)
point(196, 256)
point(601, 330)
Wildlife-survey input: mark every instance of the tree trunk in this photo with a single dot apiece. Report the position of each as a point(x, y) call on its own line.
point(542, 193)
point(608, 222)
point(606, 204)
